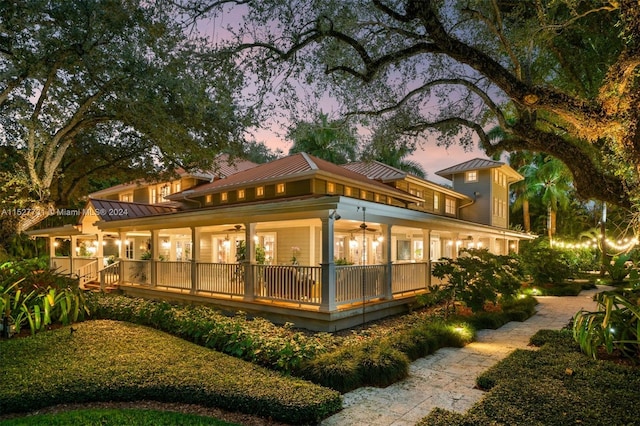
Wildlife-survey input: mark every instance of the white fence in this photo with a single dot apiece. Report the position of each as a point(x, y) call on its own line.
point(300, 284)
point(409, 277)
point(358, 283)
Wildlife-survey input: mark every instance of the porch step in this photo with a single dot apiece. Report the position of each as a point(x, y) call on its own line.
point(95, 286)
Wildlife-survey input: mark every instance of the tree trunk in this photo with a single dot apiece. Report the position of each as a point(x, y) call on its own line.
point(526, 217)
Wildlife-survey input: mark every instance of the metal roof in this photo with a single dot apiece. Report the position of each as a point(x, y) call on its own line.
point(286, 168)
point(109, 210)
point(376, 170)
point(478, 164)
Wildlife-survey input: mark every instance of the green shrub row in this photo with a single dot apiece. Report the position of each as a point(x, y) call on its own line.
point(117, 361)
point(256, 340)
point(513, 310)
point(385, 360)
point(374, 361)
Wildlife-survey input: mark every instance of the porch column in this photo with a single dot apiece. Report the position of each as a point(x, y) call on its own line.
point(73, 253)
point(195, 258)
point(122, 236)
point(388, 285)
point(249, 261)
point(100, 251)
point(52, 251)
point(328, 290)
point(155, 240)
point(426, 254)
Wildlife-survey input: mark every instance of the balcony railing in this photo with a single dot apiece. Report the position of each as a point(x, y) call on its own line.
point(360, 283)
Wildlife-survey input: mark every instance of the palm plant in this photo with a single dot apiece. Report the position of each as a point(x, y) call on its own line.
point(553, 182)
point(333, 141)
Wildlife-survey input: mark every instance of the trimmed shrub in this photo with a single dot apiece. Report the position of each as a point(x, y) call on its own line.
point(352, 367)
point(116, 361)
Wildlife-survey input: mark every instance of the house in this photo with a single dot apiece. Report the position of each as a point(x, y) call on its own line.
point(298, 239)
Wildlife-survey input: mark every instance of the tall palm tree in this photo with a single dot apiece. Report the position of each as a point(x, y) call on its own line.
point(394, 156)
point(331, 140)
point(523, 190)
point(553, 182)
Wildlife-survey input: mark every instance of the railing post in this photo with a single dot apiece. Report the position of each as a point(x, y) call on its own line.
point(195, 257)
point(102, 283)
point(388, 287)
point(248, 263)
point(328, 290)
point(155, 241)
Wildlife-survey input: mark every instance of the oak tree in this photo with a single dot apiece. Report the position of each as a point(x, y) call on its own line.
point(560, 77)
point(106, 81)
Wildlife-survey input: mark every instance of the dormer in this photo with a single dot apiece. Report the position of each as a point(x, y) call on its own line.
point(486, 183)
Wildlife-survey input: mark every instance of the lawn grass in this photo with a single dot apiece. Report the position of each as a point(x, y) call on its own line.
point(555, 385)
point(113, 417)
point(117, 361)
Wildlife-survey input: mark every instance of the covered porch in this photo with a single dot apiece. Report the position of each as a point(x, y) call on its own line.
point(322, 263)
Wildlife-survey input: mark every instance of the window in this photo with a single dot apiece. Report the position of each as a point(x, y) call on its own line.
point(503, 180)
point(178, 187)
point(240, 194)
point(127, 198)
point(128, 249)
point(153, 195)
point(471, 176)
point(260, 191)
point(331, 187)
point(450, 206)
point(224, 196)
point(208, 199)
point(347, 191)
point(165, 190)
point(496, 177)
point(436, 202)
point(280, 188)
point(363, 194)
point(376, 197)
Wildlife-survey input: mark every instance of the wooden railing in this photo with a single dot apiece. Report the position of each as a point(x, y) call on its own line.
point(223, 278)
point(173, 274)
point(88, 272)
point(300, 284)
point(409, 276)
point(61, 264)
point(358, 283)
point(435, 280)
point(136, 271)
point(110, 275)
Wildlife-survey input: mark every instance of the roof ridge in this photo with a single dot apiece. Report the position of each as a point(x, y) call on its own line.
point(309, 161)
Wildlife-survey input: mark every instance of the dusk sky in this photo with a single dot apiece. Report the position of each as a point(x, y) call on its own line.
point(430, 156)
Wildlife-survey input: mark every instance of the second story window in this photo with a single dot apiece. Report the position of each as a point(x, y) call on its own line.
point(363, 194)
point(224, 196)
point(178, 187)
point(436, 202)
point(471, 176)
point(260, 191)
point(347, 191)
point(280, 188)
point(240, 194)
point(450, 206)
point(208, 199)
point(127, 198)
point(153, 196)
point(165, 190)
point(331, 187)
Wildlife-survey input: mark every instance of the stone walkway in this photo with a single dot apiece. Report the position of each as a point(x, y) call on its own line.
point(446, 379)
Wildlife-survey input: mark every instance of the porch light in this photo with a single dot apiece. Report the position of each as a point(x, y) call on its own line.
point(95, 243)
point(479, 244)
point(256, 239)
point(56, 244)
point(458, 243)
point(374, 244)
point(471, 245)
point(380, 238)
point(118, 243)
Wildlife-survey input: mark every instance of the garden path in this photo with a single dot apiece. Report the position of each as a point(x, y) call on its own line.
point(446, 379)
